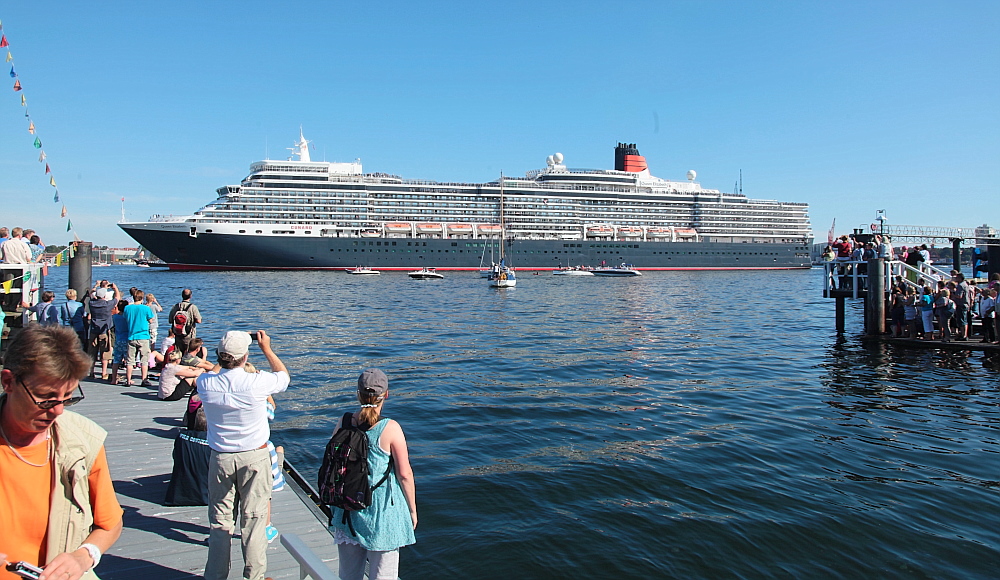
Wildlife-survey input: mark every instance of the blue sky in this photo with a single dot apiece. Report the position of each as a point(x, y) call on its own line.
point(847, 106)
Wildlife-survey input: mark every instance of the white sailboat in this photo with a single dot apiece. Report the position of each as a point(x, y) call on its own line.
point(502, 275)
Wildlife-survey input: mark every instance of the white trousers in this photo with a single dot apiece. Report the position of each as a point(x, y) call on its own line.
point(381, 565)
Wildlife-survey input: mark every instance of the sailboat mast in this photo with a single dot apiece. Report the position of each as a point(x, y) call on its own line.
point(503, 231)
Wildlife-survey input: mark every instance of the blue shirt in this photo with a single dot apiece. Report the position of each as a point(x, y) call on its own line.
point(100, 314)
point(71, 314)
point(46, 313)
point(121, 327)
point(138, 316)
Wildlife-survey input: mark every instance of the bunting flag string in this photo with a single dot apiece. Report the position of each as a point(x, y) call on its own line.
point(32, 130)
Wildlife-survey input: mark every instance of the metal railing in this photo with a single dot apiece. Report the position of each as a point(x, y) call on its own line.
point(310, 565)
point(853, 275)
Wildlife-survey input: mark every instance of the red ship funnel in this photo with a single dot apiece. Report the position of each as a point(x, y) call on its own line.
point(627, 158)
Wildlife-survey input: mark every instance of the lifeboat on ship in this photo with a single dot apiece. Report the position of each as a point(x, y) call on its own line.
point(686, 232)
point(600, 231)
point(658, 232)
point(460, 229)
point(630, 232)
point(371, 233)
point(430, 228)
point(399, 228)
point(489, 229)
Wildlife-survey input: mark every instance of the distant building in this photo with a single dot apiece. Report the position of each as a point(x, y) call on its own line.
point(984, 231)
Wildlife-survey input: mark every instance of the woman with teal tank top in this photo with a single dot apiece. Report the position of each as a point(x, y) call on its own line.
point(388, 523)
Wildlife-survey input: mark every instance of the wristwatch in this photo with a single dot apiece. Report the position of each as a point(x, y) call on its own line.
point(95, 553)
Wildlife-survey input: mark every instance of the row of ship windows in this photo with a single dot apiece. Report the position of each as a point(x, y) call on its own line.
point(515, 251)
point(518, 217)
point(608, 246)
point(515, 200)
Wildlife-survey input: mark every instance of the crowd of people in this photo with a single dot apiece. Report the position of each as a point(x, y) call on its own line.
point(928, 307)
point(25, 247)
point(945, 311)
point(224, 457)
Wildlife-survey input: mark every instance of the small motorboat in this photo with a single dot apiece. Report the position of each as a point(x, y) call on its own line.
point(578, 271)
point(425, 274)
point(621, 271)
point(362, 271)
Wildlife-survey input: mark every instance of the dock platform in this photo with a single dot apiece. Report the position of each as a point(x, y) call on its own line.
point(168, 543)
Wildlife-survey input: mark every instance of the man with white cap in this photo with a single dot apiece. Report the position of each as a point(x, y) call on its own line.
point(235, 407)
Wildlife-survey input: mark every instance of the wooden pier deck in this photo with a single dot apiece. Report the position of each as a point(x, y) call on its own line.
point(167, 543)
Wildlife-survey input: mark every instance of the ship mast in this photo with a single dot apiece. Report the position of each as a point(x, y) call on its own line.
point(503, 231)
point(301, 148)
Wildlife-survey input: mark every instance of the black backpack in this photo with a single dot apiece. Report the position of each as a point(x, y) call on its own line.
point(343, 476)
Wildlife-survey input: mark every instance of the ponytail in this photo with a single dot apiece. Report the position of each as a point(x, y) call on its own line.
point(369, 414)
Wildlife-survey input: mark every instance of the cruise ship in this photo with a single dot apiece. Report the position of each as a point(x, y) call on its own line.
point(315, 215)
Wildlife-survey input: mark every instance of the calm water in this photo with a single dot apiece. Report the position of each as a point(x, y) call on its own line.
point(678, 425)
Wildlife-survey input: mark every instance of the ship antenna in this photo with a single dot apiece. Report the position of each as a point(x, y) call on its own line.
point(741, 182)
point(123, 209)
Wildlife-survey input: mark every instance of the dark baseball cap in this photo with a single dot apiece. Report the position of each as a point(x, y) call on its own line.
point(373, 382)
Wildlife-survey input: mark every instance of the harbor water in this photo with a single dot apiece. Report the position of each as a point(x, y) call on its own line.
point(675, 425)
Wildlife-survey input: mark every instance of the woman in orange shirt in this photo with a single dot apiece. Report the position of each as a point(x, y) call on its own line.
point(50, 514)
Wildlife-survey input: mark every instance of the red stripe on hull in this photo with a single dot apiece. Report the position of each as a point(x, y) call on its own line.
point(205, 268)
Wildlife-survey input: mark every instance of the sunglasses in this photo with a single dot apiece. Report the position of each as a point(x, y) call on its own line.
point(52, 402)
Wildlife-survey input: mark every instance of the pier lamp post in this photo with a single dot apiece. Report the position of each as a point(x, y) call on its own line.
point(880, 218)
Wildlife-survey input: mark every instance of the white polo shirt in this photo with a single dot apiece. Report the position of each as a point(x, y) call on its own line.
point(235, 407)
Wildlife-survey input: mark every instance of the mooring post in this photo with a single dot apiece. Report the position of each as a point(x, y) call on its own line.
point(80, 272)
point(840, 314)
point(875, 301)
point(956, 254)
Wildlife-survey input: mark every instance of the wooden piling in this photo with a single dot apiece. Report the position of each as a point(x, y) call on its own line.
point(875, 298)
point(840, 314)
point(80, 268)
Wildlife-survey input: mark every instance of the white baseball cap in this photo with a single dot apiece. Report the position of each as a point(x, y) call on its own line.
point(235, 343)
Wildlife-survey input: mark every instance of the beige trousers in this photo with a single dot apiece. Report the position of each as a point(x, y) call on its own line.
point(246, 475)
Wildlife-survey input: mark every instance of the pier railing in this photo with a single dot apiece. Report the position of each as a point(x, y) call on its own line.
point(849, 278)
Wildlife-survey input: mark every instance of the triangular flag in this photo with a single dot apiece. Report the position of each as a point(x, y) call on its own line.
point(52, 181)
point(41, 157)
point(47, 170)
point(59, 259)
point(45, 269)
point(17, 85)
point(72, 249)
point(7, 285)
point(62, 214)
point(9, 57)
point(24, 103)
point(13, 74)
point(27, 276)
point(3, 41)
point(69, 226)
point(38, 143)
point(55, 198)
point(31, 127)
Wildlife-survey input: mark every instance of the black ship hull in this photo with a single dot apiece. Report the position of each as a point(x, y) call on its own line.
point(211, 251)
